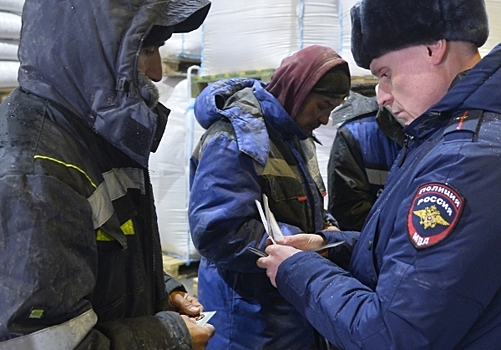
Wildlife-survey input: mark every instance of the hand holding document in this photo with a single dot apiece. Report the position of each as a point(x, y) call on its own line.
point(273, 229)
point(269, 222)
point(204, 317)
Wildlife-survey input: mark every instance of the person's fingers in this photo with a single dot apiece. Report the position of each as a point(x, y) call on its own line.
point(190, 307)
point(185, 303)
point(210, 328)
point(189, 319)
point(261, 262)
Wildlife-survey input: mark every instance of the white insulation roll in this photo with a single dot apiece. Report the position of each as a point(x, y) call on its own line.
point(8, 51)
point(169, 170)
point(10, 27)
point(15, 6)
point(8, 74)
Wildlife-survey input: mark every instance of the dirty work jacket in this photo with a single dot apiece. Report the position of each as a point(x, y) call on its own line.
point(251, 147)
point(78, 232)
point(425, 273)
point(77, 228)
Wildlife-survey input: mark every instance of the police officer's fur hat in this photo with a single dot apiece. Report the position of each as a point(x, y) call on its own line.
point(381, 26)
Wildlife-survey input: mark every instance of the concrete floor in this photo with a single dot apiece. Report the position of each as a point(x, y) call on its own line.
point(188, 284)
point(187, 274)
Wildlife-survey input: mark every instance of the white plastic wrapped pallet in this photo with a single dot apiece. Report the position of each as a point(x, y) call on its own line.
point(169, 170)
point(241, 35)
point(14, 6)
point(8, 74)
point(8, 52)
point(183, 45)
point(10, 28)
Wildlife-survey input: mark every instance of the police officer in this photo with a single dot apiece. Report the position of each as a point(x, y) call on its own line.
point(424, 273)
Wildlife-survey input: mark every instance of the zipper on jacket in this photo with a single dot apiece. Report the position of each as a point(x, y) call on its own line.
point(149, 195)
point(406, 149)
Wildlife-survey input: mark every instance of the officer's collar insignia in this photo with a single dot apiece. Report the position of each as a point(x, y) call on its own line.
point(434, 212)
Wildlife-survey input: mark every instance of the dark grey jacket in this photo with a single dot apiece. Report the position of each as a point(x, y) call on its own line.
point(78, 225)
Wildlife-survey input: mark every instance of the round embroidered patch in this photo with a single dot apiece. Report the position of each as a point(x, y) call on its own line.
point(434, 212)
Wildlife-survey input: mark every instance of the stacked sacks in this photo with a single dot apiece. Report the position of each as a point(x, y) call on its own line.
point(169, 170)
point(241, 35)
point(183, 46)
point(10, 28)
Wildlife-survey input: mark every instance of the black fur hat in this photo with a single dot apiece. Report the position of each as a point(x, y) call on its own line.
point(381, 26)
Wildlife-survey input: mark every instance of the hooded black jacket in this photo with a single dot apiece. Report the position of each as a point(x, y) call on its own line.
point(78, 226)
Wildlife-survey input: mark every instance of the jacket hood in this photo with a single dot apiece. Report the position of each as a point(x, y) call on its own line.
point(83, 56)
point(355, 105)
point(250, 108)
point(210, 103)
point(227, 99)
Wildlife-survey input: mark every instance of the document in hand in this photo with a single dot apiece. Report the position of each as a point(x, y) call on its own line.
point(273, 229)
point(204, 317)
point(269, 222)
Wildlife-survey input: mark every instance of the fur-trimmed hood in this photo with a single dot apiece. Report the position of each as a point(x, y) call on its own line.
point(83, 55)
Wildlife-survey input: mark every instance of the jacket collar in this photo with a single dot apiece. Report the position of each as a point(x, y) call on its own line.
point(468, 92)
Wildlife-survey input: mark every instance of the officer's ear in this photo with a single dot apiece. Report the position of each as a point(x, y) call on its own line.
point(437, 50)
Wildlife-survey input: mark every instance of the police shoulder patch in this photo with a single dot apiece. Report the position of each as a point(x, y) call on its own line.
point(433, 214)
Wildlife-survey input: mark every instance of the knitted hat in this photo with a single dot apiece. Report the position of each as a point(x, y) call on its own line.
point(381, 26)
point(299, 73)
point(335, 83)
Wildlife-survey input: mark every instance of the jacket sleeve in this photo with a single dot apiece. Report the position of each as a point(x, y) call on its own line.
point(222, 212)
point(165, 331)
point(171, 284)
point(341, 255)
point(49, 268)
point(350, 195)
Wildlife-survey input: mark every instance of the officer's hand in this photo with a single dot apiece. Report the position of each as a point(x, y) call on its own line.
point(276, 255)
point(199, 335)
point(184, 303)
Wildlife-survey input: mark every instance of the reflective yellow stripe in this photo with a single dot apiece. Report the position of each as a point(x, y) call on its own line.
point(103, 237)
point(115, 186)
point(127, 229)
point(37, 156)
